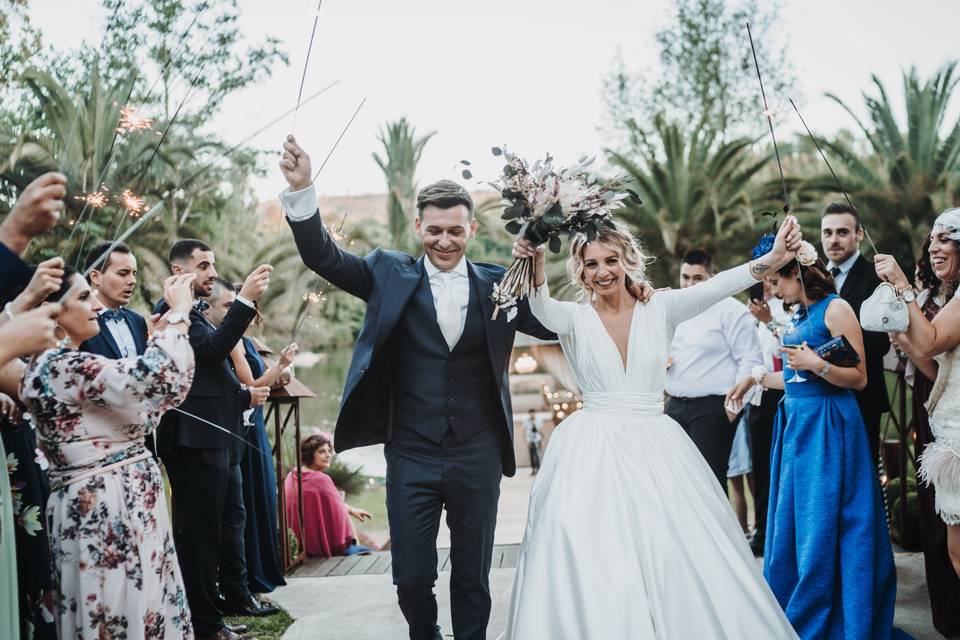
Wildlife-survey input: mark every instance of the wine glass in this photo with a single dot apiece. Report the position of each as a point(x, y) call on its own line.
point(792, 342)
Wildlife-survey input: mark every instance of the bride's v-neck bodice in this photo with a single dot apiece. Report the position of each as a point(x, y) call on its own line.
point(592, 353)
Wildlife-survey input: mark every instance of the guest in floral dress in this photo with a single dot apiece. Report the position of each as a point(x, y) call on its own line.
point(116, 569)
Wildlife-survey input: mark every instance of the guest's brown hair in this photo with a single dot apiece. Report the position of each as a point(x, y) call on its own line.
point(310, 445)
point(443, 194)
point(817, 281)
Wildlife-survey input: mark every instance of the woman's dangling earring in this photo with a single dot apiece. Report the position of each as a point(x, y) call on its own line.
point(64, 342)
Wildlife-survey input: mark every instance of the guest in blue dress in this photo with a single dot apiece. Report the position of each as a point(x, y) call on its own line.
point(827, 557)
point(264, 571)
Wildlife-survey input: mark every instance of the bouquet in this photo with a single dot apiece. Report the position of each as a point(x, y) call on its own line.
point(542, 204)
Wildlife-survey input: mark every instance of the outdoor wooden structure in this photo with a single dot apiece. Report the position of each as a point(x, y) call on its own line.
point(287, 398)
point(504, 557)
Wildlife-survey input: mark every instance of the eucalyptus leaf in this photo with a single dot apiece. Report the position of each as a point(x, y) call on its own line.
point(555, 244)
point(513, 227)
point(509, 171)
point(466, 174)
point(591, 233)
point(497, 151)
point(466, 162)
point(515, 210)
point(634, 197)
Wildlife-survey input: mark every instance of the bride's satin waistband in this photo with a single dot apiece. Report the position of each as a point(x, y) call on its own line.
point(644, 404)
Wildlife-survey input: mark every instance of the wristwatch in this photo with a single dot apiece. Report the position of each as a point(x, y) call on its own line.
point(824, 370)
point(907, 295)
point(176, 317)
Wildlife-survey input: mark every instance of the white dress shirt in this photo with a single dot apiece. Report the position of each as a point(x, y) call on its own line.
point(845, 267)
point(122, 335)
point(299, 205)
point(532, 427)
point(711, 352)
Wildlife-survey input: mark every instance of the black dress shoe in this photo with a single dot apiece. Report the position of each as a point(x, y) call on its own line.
point(248, 606)
point(756, 546)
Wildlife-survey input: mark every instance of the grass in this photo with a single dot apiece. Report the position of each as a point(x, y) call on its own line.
point(372, 499)
point(265, 627)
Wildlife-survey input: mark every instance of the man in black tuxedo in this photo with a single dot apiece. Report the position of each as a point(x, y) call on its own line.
point(123, 332)
point(840, 234)
point(429, 379)
point(202, 461)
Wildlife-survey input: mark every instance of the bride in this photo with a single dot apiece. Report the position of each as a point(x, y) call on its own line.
point(628, 533)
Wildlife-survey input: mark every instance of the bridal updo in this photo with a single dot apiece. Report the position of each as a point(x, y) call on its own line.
point(618, 238)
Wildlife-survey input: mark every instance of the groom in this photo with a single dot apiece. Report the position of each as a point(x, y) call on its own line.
point(429, 379)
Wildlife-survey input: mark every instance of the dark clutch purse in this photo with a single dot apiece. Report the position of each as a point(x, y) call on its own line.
point(838, 352)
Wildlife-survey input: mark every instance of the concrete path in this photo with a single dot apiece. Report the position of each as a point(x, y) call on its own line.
point(364, 607)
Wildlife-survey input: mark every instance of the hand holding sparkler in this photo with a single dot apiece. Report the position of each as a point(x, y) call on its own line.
point(785, 247)
point(178, 293)
point(46, 279)
point(889, 271)
point(256, 283)
point(295, 165)
point(287, 355)
point(37, 209)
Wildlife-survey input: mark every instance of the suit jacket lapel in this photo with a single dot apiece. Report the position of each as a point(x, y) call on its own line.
point(493, 329)
point(851, 279)
point(401, 284)
point(108, 338)
point(139, 340)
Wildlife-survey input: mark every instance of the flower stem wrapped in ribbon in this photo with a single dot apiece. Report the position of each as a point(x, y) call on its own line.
point(543, 204)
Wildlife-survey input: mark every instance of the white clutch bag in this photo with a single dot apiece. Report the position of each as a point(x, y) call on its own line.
point(885, 310)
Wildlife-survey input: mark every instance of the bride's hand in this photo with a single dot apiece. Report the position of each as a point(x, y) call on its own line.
point(523, 248)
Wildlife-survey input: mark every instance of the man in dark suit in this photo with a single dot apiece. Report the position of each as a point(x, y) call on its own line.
point(202, 451)
point(841, 233)
point(123, 332)
point(429, 379)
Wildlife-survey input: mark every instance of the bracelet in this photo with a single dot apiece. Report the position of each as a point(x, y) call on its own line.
point(824, 370)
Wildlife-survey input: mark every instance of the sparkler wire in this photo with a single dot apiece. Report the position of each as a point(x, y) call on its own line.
point(306, 63)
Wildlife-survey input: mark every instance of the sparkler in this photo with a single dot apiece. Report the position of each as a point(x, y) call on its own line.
point(776, 151)
point(335, 144)
point(834, 174)
point(133, 204)
point(306, 63)
point(95, 200)
point(131, 120)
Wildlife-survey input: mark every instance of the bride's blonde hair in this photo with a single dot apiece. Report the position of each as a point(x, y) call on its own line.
point(617, 237)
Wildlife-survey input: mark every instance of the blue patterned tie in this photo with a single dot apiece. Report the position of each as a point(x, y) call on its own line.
point(112, 314)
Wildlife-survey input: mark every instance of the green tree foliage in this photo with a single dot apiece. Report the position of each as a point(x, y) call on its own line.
point(706, 75)
point(696, 191)
point(402, 149)
point(905, 173)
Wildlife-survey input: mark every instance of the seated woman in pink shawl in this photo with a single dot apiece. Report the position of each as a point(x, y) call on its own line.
point(326, 517)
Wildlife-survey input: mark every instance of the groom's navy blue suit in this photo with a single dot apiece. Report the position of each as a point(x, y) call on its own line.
point(445, 416)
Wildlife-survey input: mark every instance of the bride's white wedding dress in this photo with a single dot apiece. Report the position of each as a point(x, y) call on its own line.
point(629, 535)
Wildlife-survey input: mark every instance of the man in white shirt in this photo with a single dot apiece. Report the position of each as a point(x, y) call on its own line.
point(532, 427)
point(708, 355)
point(123, 333)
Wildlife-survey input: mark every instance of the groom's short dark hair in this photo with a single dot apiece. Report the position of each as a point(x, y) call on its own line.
point(443, 194)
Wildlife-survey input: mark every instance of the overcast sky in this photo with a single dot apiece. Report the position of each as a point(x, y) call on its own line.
point(526, 73)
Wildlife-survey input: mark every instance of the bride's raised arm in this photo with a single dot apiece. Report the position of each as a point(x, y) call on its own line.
point(555, 315)
point(683, 304)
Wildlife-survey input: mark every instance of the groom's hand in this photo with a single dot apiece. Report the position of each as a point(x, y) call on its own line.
point(295, 165)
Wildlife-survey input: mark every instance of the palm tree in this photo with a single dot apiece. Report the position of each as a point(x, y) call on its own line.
point(402, 151)
point(906, 173)
point(695, 188)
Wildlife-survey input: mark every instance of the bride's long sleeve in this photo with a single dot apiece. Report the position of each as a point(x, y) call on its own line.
point(683, 304)
point(555, 315)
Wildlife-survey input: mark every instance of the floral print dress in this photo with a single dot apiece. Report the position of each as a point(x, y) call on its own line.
point(115, 566)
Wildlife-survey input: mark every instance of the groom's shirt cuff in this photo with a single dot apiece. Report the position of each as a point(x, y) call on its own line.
point(299, 205)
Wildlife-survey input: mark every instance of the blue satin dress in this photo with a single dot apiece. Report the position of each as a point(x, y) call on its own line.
point(264, 572)
point(828, 556)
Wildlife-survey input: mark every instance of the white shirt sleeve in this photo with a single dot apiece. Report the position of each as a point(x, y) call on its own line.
point(683, 304)
point(553, 314)
point(299, 205)
point(243, 300)
point(744, 343)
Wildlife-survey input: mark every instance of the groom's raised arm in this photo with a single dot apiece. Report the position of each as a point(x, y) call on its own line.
point(318, 250)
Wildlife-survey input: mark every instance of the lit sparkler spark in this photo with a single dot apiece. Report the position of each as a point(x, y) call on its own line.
point(132, 203)
point(95, 200)
point(313, 297)
point(130, 120)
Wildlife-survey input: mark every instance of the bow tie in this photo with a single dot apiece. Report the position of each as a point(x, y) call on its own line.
point(202, 306)
point(113, 314)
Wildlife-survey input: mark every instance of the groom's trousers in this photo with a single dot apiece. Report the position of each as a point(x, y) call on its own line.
point(423, 478)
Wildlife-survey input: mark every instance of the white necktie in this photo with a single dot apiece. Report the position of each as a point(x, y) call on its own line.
point(448, 310)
